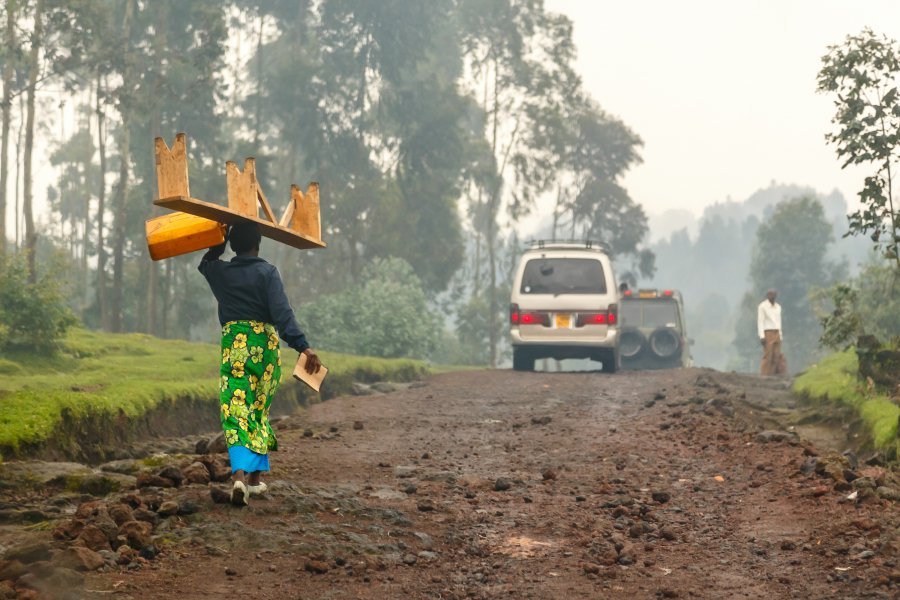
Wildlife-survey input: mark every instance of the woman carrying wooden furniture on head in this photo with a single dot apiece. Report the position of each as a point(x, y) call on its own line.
point(253, 312)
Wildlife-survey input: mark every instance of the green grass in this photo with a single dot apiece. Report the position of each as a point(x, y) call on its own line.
point(136, 373)
point(834, 379)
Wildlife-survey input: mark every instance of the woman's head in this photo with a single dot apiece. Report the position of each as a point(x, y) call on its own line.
point(245, 237)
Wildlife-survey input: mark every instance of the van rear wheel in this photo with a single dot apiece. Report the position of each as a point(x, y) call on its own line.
point(522, 360)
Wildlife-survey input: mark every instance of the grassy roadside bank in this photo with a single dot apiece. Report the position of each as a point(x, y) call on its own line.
point(118, 378)
point(834, 379)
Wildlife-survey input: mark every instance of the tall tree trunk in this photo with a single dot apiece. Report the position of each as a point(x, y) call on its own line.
point(121, 197)
point(101, 211)
point(11, 45)
point(259, 70)
point(28, 202)
point(19, 144)
point(493, 202)
point(160, 46)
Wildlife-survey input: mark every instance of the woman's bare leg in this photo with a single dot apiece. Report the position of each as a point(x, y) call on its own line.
point(254, 477)
point(239, 476)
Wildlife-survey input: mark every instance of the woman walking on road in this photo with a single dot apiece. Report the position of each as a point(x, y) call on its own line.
point(252, 308)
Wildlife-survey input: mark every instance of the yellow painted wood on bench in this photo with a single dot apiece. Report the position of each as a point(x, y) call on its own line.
point(181, 233)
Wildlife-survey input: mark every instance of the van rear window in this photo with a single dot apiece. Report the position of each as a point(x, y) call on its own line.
point(563, 276)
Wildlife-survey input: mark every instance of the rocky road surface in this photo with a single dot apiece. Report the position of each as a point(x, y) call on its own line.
point(666, 484)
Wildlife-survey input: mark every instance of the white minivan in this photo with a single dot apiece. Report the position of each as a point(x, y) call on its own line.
point(564, 304)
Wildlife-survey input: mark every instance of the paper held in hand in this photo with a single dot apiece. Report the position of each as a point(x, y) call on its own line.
point(312, 380)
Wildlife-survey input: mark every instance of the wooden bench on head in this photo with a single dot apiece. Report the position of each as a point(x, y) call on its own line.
point(197, 224)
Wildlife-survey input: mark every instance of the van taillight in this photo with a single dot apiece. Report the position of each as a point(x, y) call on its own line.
point(607, 317)
point(517, 317)
point(513, 314)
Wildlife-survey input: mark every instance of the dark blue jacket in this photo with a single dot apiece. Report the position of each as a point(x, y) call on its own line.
point(250, 289)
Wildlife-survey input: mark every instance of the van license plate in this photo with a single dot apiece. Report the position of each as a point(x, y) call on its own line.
point(563, 321)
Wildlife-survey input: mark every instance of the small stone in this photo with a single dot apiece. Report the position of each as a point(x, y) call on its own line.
point(125, 554)
point(888, 493)
point(172, 473)
point(197, 473)
point(410, 489)
point(358, 425)
point(409, 559)
point(217, 444)
point(307, 433)
point(188, 507)
point(219, 496)
point(865, 555)
point(93, 538)
point(580, 498)
point(149, 552)
point(425, 505)
point(549, 474)
point(121, 513)
point(168, 509)
point(332, 429)
point(661, 496)
point(29, 553)
point(788, 545)
point(502, 484)
point(144, 514)
point(230, 571)
point(527, 499)
point(427, 555)
point(765, 437)
point(667, 534)
point(78, 558)
point(150, 480)
point(590, 568)
point(136, 533)
point(316, 566)
point(425, 539)
point(405, 471)
point(545, 420)
point(11, 570)
point(819, 490)
point(470, 494)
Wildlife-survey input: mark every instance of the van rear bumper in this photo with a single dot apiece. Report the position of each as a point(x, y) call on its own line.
point(592, 348)
point(610, 340)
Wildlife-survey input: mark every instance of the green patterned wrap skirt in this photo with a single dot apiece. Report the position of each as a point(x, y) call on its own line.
point(250, 375)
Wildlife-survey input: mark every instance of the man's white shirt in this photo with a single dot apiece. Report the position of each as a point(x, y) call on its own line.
point(768, 317)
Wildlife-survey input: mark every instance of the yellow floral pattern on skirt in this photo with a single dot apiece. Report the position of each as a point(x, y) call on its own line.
point(249, 376)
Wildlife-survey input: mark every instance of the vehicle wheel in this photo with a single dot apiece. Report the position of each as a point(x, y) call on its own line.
point(522, 360)
point(665, 343)
point(631, 343)
point(610, 362)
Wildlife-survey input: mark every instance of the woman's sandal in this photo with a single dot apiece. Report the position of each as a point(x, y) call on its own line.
point(258, 490)
point(239, 494)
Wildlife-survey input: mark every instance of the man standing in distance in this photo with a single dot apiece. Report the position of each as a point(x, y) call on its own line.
point(768, 324)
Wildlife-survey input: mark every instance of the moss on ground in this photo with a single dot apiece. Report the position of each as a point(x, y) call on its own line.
point(835, 379)
point(131, 374)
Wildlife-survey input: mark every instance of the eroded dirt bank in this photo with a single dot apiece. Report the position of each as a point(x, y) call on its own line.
point(499, 484)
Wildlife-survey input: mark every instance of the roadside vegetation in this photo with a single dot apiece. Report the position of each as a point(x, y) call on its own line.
point(835, 379)
point(100, 374)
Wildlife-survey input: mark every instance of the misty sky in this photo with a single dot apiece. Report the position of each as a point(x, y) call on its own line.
point(722, 93)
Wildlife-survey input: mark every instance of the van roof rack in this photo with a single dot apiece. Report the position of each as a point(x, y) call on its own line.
point(589, 244)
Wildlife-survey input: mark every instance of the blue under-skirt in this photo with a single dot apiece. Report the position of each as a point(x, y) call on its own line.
point(244, 459)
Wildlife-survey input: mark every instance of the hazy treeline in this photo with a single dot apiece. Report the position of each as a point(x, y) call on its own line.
point(431, 126)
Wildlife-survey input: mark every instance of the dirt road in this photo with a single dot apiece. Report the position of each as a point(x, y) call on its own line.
point(544, 485)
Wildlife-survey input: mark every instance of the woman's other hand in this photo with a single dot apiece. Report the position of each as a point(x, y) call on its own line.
point(313, 364)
